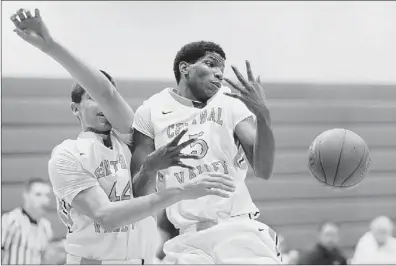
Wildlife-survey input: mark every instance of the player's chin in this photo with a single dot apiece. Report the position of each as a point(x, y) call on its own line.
point(212, 90)
point(103, 126)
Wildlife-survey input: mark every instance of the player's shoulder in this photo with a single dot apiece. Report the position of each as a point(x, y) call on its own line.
point(65, 146)
point(155, 102)
point(67, 151)
point(156, 99)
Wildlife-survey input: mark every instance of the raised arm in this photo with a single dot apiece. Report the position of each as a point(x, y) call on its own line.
point(33, 30)
point(73, 185)
point(142, 147)
point(256, 135)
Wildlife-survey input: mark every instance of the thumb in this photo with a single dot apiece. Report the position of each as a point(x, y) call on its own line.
point(21, 33)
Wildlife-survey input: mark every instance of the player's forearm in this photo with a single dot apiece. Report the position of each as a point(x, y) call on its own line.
point(264, 148)
point(143, 183)
point(98, 87)
point(96, 84)
point(117, 214)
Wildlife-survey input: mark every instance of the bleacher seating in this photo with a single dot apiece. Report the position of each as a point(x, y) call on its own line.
point(36, 116)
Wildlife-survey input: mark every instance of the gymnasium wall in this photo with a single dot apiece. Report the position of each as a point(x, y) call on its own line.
point(36, 116)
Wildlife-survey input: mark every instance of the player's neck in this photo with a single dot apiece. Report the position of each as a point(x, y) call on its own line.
point(184, 91)
point(104, 135)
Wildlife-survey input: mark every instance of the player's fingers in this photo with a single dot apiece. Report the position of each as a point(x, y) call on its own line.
point(15, 20)
point(180, 164)
point(221, 175)
point(249, 71)
point(20, 14)
point(220, 180)
point(217, 193)
point(235, 86)
point(187, 156)
point(28, 14)
point(219, 185)
point(258, 79)
point(185, 144)
point(233, 95)
point(178, 137)
point(21, 33)
point(37, 13)
point(240, 77)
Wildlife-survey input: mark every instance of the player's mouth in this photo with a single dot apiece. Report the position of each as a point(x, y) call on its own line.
point(217, 84)
point(101, 117)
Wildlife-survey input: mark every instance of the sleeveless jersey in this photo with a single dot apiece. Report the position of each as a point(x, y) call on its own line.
point(77, 165)
point(165, 115)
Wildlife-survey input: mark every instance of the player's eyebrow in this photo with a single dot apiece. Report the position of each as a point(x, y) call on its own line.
point(216, 57)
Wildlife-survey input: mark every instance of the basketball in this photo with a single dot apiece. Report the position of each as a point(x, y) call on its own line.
point(339, 158)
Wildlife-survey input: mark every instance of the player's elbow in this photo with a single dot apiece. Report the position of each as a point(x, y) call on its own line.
point(264, 172)
point(265, 175)
point(264, 165)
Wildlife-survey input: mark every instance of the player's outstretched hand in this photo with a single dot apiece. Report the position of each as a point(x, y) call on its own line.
point(32, 29)
point(170, 154)
point(250, 92)
point(208, 184)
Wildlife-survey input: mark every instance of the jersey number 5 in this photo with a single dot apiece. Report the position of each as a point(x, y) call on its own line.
point(200, 145)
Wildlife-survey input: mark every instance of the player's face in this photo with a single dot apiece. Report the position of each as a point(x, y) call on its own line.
point(91, 115)
point(205, 76)
point(38, 197)
point(329, 236)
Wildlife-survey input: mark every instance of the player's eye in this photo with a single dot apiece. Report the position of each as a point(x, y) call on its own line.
point(209, 63)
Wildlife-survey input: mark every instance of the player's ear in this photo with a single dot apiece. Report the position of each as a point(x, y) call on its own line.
point(75, 109)
point(183, 67)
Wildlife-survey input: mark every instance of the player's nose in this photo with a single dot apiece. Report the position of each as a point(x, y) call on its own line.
point(219, 75)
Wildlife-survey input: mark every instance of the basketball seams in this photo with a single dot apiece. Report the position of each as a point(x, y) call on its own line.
point(317, 169)
point(320, 180)
point(357, 167)
point(339, 157)
point(320, 162)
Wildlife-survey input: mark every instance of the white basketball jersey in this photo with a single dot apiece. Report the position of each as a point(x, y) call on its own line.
point(76, 165)
point(165, 115)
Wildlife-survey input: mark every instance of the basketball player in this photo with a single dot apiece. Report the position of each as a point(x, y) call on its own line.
point(90, 175)
point(227, 126)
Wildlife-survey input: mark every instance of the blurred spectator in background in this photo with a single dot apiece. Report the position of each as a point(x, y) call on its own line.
point(25, 234)
point(377, 246)
point(291, 257)
point(326, 251)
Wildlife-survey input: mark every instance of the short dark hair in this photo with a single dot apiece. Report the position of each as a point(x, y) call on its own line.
point(192, 52)
point(78, 91)
point(35, 180)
